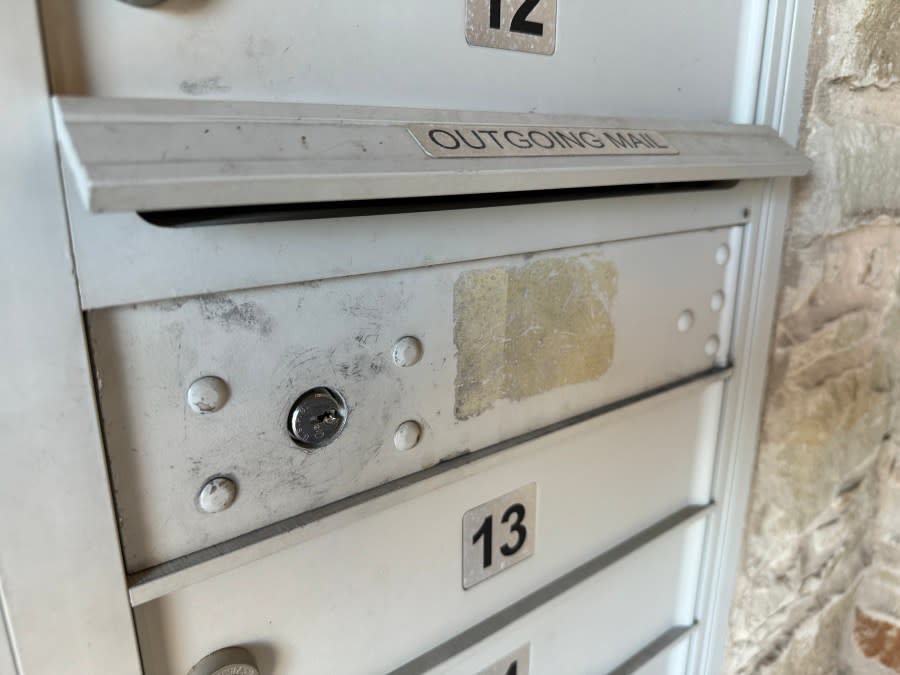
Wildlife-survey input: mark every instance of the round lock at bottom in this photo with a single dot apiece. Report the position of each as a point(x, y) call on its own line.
point(228, 661)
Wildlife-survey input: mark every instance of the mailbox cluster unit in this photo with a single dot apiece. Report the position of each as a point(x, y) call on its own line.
point(301, 381)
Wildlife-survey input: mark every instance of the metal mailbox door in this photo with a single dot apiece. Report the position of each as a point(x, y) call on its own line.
point(613, 495)
point(466, 356)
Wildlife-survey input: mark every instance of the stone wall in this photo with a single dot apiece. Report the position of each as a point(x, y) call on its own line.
point(819, 586)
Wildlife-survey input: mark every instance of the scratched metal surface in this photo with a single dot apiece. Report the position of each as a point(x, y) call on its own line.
point(511, 344)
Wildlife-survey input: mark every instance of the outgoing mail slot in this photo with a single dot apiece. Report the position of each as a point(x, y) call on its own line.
point(642, 473)
point(286, 179)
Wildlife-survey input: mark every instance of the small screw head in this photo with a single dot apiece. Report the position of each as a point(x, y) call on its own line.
point(717, 301)
point(207, 395)
point(685, 321)
point(711, 348)
point(407, 435)
point(407, 351)
point(217, 494)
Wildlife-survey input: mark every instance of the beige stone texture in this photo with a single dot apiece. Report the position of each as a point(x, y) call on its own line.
point(818, 589)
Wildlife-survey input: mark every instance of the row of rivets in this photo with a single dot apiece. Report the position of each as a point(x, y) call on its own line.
point(407, 352)
point(717, 301)
point(207, 395)
point(685, 320)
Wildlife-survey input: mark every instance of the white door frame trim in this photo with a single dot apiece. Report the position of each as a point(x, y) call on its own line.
point(62, 582)
point(778, 104)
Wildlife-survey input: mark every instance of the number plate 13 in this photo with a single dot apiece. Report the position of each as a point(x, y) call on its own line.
point(498, 534)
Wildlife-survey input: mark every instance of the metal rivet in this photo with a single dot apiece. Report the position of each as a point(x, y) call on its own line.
point(723, 253)
point(712, 345)
point(685, 321)
point(407, 351)
point(717, 301)
point(217, 494)
point(207, 395)
point(407, 435)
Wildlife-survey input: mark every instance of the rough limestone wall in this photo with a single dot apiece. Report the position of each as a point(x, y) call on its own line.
point(819, 586)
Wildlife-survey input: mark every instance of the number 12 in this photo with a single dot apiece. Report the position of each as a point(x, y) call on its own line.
point(520, 22)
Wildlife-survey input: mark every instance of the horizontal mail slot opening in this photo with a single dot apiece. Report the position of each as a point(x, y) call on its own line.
point(141, 155)
point(268, 213)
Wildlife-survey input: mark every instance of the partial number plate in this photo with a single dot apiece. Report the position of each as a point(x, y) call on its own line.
point(520, 25)
point(517, 663)
point(498, 534)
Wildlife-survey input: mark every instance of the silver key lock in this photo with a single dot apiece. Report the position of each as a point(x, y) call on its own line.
point(317, 418)
point(228, 661)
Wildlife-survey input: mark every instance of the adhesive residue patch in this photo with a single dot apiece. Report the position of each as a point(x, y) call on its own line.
point(521, 331)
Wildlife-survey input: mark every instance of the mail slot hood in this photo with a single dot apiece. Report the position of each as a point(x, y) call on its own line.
point(150, 155)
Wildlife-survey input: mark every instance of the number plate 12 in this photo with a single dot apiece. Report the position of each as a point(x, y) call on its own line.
point(498, 534)
point(520, 25)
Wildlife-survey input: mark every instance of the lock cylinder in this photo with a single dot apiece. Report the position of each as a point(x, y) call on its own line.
point(317, 418)
point(228, 661)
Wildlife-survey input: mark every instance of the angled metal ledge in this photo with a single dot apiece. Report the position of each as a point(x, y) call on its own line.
point(146, 155)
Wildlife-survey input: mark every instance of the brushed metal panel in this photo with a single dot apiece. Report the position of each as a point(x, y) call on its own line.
point(503, 355)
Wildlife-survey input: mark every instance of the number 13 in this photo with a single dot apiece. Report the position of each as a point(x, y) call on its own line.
point(516, 513)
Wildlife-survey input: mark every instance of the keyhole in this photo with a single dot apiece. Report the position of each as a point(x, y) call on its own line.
point(331, 417)
point(317, 418)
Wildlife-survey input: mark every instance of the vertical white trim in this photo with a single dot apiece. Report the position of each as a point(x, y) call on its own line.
point(783, 74)
point(740, 423)
point(61, 576)
point(751, 40)
point(779, 104)
point(6, 656)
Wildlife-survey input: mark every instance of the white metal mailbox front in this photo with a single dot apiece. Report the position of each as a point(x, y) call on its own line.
point(469, 393)
point(409, 390)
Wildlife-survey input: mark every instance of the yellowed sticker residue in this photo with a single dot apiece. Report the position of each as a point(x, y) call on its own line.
point(520, 331)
